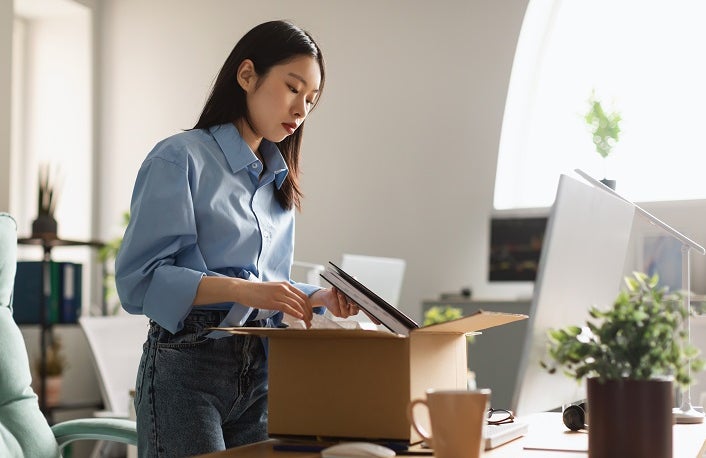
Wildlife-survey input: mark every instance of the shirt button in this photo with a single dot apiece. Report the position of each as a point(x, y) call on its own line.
point(254, 165)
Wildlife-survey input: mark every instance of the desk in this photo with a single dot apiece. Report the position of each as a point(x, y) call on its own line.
point(545, 428)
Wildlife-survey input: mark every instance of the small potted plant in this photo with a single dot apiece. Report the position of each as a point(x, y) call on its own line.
point(605, 130)
point(107, 254)
point(54, 365)
point(443, 313)
point(631, 355)
point(45, 225)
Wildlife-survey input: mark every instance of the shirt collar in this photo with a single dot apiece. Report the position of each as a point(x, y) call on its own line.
point(239, 155)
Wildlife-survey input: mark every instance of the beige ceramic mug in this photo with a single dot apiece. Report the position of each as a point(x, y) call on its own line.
point(457, 418)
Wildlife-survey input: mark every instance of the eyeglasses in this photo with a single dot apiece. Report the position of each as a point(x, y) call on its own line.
point(500, 416)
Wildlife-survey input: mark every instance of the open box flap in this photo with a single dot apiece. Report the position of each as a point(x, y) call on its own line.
point(312, 333)
point(476, 322)
point(469, 324)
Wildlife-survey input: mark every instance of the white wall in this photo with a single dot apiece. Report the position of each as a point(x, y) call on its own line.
point(400, 155)
point(407, 130)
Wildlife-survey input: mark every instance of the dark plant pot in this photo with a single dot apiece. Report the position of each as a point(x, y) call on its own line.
point(44, 227)
point(609, 183)
point(630, 418)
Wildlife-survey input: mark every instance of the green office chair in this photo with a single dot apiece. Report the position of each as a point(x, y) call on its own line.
point(24, 432)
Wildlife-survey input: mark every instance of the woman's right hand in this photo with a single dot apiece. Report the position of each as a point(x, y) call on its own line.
point(280, 295)
point(273, 295)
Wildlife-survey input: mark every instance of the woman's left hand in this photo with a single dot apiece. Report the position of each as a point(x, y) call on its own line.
point(334, 300)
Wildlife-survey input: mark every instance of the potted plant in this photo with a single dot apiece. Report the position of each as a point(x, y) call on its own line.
point(441, 314)
point(631, 354)
point(605, 129)
point(107, 254)
point(45, 225)
point(54, 365)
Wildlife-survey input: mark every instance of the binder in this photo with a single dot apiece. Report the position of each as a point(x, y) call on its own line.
point(26, 293)
point(62, 295)
point(70, 308)
point(54, 293)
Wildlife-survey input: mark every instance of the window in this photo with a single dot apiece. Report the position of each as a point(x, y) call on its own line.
point(52, 112)
point(644, 60)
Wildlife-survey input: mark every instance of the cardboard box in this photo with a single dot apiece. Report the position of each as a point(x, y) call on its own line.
point(356, 384)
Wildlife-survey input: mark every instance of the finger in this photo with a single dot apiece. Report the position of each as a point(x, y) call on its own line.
point(350, 307)
point(296, 314)
point(300, 311)
point(334, 304)
point(284, 299)
point(296, 299)
point(342, 305)
point(305, 301)
point(372, 318)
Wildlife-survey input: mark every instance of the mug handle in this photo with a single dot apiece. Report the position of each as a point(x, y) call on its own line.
point(417, 427)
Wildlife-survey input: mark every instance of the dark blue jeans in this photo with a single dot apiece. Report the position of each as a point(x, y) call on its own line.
point(198, 395)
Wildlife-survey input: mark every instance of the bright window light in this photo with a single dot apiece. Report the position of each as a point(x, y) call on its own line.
point(642, 59)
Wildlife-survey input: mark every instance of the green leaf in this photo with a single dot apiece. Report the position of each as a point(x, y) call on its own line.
point(640, 337)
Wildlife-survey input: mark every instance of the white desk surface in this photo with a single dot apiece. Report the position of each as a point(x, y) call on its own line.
point(546, 430)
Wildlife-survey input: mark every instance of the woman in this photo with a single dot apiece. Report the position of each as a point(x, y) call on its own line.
point(210, 242)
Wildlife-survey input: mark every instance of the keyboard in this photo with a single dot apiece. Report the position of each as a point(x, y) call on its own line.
point(496, 435)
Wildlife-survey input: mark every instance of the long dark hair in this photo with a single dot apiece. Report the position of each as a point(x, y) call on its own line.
point(267, 45)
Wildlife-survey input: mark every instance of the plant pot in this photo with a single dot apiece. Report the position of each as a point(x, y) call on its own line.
point(630, 418)
point(44, 227)
point(52, 386)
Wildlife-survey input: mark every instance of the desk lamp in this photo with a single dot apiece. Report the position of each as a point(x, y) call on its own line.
point(686, 412)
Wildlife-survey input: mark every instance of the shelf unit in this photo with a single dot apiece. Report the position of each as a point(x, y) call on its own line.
point(47, 243)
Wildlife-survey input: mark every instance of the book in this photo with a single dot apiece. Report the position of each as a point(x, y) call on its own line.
point(70, 306)
point(54, 292)
point(375, 306)
point(26, 296)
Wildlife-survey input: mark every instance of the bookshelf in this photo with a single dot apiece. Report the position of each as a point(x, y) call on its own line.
point(47, 243)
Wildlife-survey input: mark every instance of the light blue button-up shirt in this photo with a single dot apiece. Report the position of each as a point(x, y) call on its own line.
point(203, 205)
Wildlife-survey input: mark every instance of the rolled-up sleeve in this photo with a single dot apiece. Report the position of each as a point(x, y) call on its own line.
point(161, 229)
point(306, 288)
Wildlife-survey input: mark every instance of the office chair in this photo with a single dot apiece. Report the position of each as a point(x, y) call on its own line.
point(116, 347)
point(309, 270)
point(383, 276)
point(24, 431)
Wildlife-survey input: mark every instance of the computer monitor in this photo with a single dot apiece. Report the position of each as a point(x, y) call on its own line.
point(581, 265)
point(515, 246)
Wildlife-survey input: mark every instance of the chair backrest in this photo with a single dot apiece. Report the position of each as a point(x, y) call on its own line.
point(23, 429)
point(116, 347)
point(383, 276)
